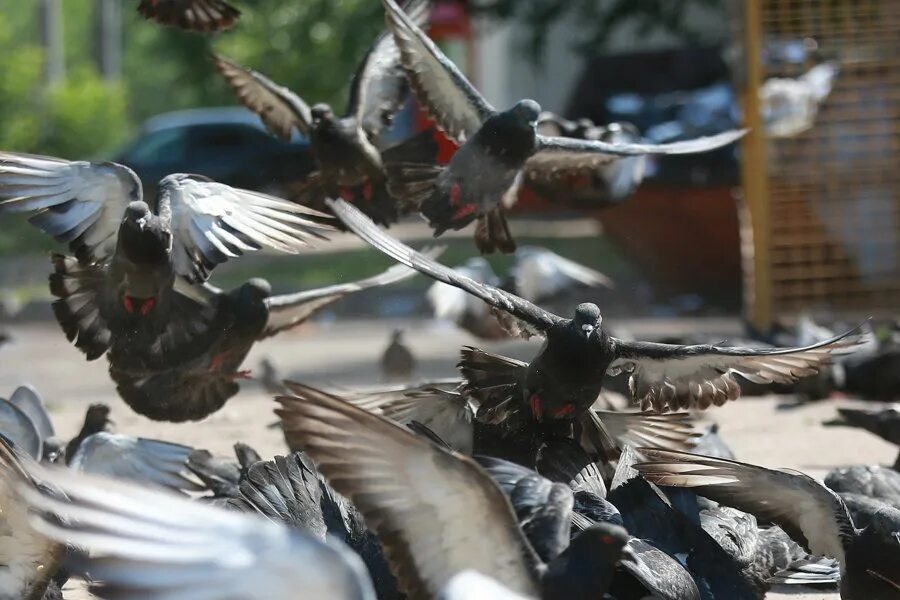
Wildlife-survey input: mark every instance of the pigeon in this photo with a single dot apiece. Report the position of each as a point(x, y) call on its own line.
point(203, 16)
point(346, 148)
point(129, 288)
point(397, 361)
point(587, 188)
point(547, 511)
point(566, 376)
point(537, 275)
point(789, 106)
point(483, 177)
point(141, 542)
point(444, 409)
point(30, 561)
point(884, 423)
point(809, 512)
point(876, 482)
point(96, 420)
point(207, 375)
point(436, 512)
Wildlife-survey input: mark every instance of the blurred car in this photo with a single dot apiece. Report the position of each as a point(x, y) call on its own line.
point(229, 145)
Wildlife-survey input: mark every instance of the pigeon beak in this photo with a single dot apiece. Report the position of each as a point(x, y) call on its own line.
point(587, 330)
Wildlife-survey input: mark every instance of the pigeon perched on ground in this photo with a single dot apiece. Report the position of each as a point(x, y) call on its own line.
point(437, 513)
point(566, 376)
point(397, 361)
point(204, 16)
point(207, 375)
point(537, 275)
point(590, 187)
point(809, 512)
point(885, 423)
point(347, 149)
point(129, 289)
point(483, 178)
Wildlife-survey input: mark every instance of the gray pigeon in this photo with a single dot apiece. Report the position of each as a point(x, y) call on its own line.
point(483, 177)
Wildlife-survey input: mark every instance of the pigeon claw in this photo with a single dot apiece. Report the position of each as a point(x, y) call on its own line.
point(455, 194)
point(537, 407)
point(217, 362)
point(463, 212)
point(245, 374)
point(564, 411)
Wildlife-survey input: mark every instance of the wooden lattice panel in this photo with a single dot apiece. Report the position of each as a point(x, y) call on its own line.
point(833, 213)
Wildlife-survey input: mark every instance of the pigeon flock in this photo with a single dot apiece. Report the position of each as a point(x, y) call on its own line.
point(513, 480)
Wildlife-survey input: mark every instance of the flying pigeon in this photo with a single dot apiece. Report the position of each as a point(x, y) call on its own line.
point(483, 177)
point(347, 148)
point(203, 16)
point(809, 512)
point(124, 291)
point(566, 376)
point(789, 106)
point(436, 512)
point(208, 366)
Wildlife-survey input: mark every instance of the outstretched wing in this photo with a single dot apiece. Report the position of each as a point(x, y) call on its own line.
point(213, 222)
point(143, 543)
point(289, 310)
point(563, 152)
point(79, 203)
point(379, 85)
point(534, 316)
point(443, 91)
point(810, 513)
point(204, 16)
point(435, 512)
point(668, 376)
point(280, 109)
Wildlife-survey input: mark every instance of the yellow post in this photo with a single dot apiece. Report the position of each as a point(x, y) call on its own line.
point(758, 286)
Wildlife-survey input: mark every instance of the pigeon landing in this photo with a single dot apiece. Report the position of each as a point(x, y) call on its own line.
point(203, 16)
point(345, 148)
point(125, 289)
point(206, 374)
point(810, 513)
point(484, 176)
point(566, 376)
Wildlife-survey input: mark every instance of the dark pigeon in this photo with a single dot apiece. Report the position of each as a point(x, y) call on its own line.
point(814, 516)
point(132, 288)
point(483, 178)
point(202, 16)
point(208, 369)
point(347, 149)
point(397, 361)
point(567, 375)
point(436, 512)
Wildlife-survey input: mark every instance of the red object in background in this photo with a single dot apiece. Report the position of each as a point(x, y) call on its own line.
point(449, 24)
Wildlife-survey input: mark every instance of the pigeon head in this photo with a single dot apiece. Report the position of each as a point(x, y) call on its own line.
point(256, 289)
point(397, 336)
point(605, 541)
point(526, 112)
point(96, 419)
point(320, 113)
point(138, 213)
point(587, 318)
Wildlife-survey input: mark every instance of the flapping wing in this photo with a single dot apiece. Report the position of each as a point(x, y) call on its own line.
point(437, 405)
point(442, 90)
point(535, 317)
point(204, 16)
point(150, 462)
point(436, 513)
point(28, 558)
point(289, 310)
point(810, 513)
point(143, 543)
point(668, 376)
point(17, 427)
point(213, 222)
point(29, 401)
point(379, 85)
point(672, 431)
point(79, 203)
point(573, 151)
point(280, 109)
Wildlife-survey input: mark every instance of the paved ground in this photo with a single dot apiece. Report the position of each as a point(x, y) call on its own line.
point(348, 353)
